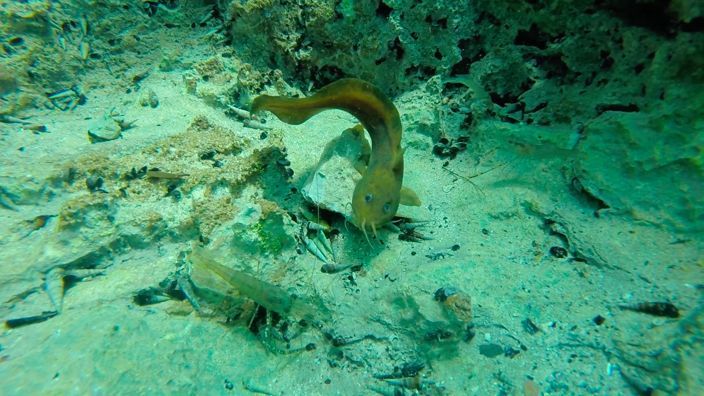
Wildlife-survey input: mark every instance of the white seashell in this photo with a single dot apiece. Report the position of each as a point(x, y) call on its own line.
point(84, 48)
point(54, 287)
point(315, 250)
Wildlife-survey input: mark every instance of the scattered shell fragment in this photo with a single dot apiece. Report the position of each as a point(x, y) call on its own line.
point(241, 113)
point(318, 245)
point(315, 250)
point(66, 99)
point(84, 49)
point(256, 125)
point(325, 242)
point(157, 174)
point(149, 98)
point(84, 25)
point(54, 287)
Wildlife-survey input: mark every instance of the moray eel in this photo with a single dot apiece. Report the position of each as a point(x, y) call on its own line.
point(378, 194)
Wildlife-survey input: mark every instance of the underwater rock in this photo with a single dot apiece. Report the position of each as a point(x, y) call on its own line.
point(658, 175)
point(331, 184)
point(107, 128)
point(214, 83)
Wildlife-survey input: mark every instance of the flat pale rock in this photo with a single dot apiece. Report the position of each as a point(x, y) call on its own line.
point(331, 184)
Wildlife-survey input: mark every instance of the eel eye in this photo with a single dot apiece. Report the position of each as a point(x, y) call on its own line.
point(387, 207)
point(368, 198)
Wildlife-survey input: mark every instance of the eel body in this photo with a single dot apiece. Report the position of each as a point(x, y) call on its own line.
point(378, 194)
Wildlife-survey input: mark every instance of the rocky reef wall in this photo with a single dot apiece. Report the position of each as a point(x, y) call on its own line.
point(622, 80)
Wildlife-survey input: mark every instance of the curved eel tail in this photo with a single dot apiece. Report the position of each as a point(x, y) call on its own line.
point(366, 102)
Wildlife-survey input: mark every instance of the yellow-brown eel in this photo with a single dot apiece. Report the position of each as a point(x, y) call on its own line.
point(377, 195)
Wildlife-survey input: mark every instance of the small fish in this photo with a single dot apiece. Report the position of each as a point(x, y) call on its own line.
point(665, 309)
point(28, 320)
point(157, 174)
point(36, 128)
point(334, 268)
